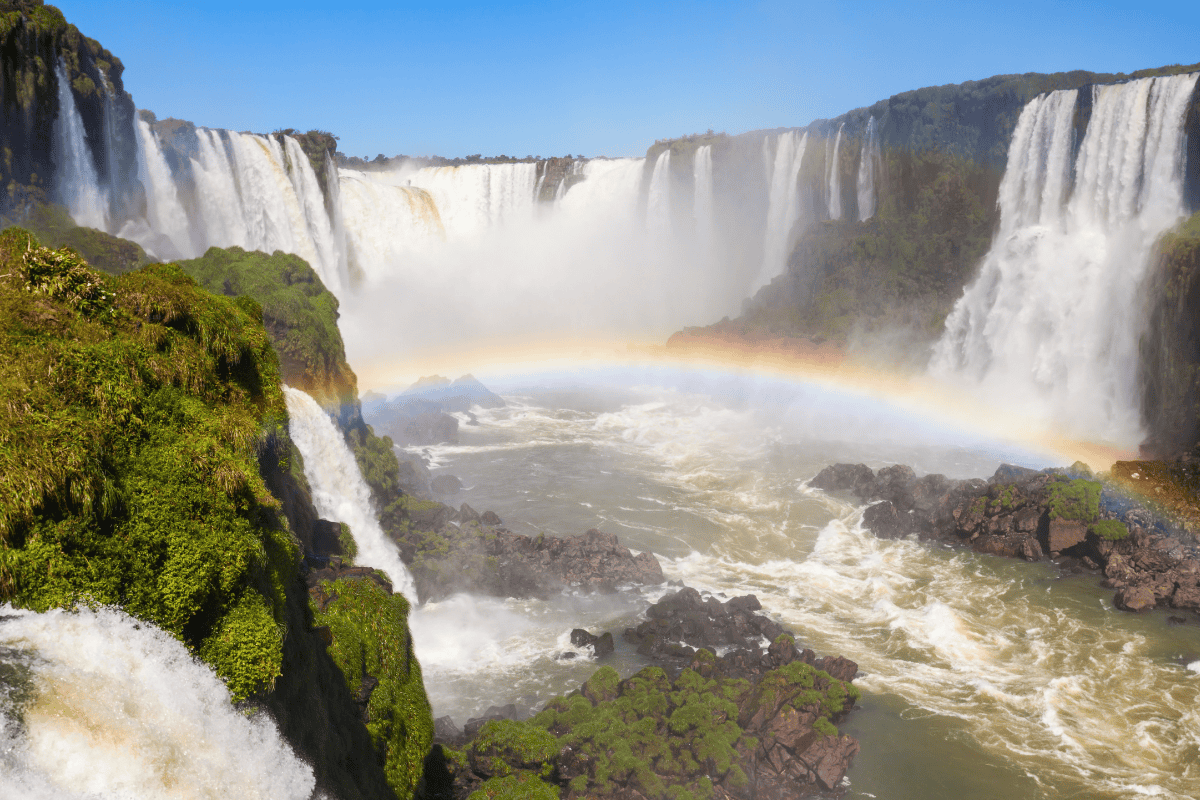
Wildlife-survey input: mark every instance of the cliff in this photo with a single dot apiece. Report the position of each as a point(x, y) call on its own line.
point(34, 38)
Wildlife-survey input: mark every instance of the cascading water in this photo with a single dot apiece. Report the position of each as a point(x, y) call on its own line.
point(385, 222)
point(339, 492)
point(98, 705)
point(866, 171)
point(167, 219)
point(1051, 325)
point(835, 178)
point(475, 197)
point(782, 207)
point(702, 203)
point(79, 186)
point(658, 198)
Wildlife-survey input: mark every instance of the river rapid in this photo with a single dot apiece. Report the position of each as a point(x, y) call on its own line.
point(982, 677)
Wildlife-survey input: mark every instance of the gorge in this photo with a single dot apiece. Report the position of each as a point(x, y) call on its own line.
point(205, 536)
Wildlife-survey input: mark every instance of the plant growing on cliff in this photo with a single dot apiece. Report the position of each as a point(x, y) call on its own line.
point(1077, 499)
point(371, 642)
point(131, 413)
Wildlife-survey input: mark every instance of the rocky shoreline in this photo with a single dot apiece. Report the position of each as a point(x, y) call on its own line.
point(1062, 515)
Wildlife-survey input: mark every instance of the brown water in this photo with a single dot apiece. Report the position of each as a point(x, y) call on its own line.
point(982, 677)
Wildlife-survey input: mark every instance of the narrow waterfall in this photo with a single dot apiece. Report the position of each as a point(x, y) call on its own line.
point(347, 264)
point(835, 178)
point(339, 491)
point(79, 186)
point(164, 212)
point(866, 171)
point(1055, 312)
point(97, 704)
point(658, 199)
point(702, 203)
point(783, 207)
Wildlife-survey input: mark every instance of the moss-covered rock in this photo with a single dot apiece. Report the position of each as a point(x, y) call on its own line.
point(53, 227)
point(372, 646)
point(133, 410)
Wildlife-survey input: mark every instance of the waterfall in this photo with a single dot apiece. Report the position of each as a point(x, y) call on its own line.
point(78, 184)
point(835, 178)
point(337, 220)
point(164, 212)
point(385, 222)
point(217, 193)
point(658, 200)
point(866, 172)
point(339, 491)
point(1053, 319)
point(475, 197)
point(98, 704)
point(702, 204)
point(783, 207)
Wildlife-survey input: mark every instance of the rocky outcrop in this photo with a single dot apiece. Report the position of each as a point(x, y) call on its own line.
point(450, 551)
point(421, 414)
point(681, 623)
point(760, 726)
point(1021, 513)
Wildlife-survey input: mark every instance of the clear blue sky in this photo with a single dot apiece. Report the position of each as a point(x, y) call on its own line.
point(609, 78)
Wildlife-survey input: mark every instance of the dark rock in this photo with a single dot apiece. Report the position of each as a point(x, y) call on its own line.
point(1009, 473)
point(326, 538)
point(1031, 550)
point(444, 730)
point(1063, 534)
point(490, 518)
point(471, 729)
point(467, 514)
point(445, 484)
point(682, 622)
point(601, 645)
point(366, 687)
point(854, 478)
point(888, 522)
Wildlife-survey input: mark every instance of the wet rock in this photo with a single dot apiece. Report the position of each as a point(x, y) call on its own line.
point(490, 518)
point(601, 645)
point(1135, 598)
point(857, 479)
point(471, 729)
point(1063, 534)
point(445, 731)
point(1031, 550)
point(888, 522)
point(685, 621)
point(467, 514)
point(445, 484)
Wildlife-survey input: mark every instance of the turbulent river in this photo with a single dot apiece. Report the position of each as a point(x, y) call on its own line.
point(982, 677)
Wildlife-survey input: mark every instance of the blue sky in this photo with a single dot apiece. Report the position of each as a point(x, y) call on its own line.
point(520, 78)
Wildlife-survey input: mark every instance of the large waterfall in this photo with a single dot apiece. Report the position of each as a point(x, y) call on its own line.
point(1051, 325)
point(658, 196)
point(866, 171)
point(98, 705)
point(783, 205)
point(339, 491)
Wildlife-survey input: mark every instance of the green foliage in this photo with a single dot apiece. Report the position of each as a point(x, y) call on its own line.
point(371, 637)
point(515, 787)
point(54, 227)
point(299, 313)
point(348, 545)
point(132, 410)
point(1110, 529)
point(1073, 499)
point(505, 746)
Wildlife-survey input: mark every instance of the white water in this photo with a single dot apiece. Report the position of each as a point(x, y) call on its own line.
point(866, 171)
point(339, 492)
point(979, 674)
point(119, 709)
point(783, 207)
point(165, 214)
point(835, 178)
point(470, 199)
point(78, 185)
point(658, 197)
point(1051, 325)
point(702, 199)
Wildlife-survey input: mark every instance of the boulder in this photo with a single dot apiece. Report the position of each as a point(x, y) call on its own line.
point(445, 484)
point(888, 522)
point(1135, 598)
point(601, 645)
point(1063, 534)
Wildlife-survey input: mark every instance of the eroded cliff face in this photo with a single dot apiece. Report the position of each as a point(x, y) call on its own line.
point(34, 38)
point(1170, 347)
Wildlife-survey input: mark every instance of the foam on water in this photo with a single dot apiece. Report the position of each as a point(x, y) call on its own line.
point(98, 705)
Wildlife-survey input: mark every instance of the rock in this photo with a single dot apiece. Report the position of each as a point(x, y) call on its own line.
point(888, 522)
point(326, 538)
point(855, 478)
point(601, 645)
point(467, 514)
point(1008, 473)
point(1134, 598)
point(445, 731)
point(490, 518)
point(1187, 595)
point(471, 729)
point(829, 759)
point(1031, 550)
point(1063, 534)
point(684, 621)
point(362, 697)
point(445, 484)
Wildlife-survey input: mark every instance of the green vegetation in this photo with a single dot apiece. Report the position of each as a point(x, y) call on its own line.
point(53, 227)
point(299, 313)
point(1110, 529)
point(132, 410)
point(506, 746)
point(1073, 499)
point(371, 638)
point(515, 787)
